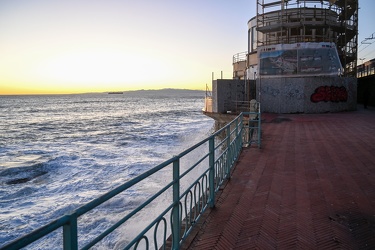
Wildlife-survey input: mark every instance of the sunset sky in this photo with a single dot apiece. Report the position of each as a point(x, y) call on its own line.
point(77, 46)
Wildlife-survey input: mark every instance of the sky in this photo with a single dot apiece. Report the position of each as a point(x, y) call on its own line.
point(80, 46)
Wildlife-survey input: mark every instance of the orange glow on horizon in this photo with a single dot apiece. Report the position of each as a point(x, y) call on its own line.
point(40, 89)
point(113, 46)
point(98, 70)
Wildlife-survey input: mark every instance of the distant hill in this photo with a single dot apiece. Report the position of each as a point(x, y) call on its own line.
point(167, 93)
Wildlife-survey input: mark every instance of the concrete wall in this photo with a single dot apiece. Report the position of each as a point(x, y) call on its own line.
point(225, 92)
point(307, 94)
point(239, 69)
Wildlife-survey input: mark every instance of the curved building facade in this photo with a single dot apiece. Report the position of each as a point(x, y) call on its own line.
point(302, 55)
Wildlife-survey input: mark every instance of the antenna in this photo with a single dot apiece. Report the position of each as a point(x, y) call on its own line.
point(368, 38)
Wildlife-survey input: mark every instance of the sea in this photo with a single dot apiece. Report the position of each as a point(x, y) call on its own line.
point(58, 152)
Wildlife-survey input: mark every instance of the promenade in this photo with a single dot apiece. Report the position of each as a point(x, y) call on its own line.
point(310, 186)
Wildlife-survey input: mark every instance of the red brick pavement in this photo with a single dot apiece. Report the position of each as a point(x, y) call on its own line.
point(311, 186)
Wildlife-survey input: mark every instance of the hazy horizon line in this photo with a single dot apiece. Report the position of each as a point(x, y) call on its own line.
point(104, 92)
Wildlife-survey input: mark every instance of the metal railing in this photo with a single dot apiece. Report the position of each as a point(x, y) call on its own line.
point(239, 57)
point(172, 225)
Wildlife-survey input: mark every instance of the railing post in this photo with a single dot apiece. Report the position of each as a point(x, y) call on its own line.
point(242, 130)
point(259, 129)
point(237, 126)
point(211, 146)
point(249, 124)
point(237, 140)
point(70, 236)
point(176, 225)
point(239, 136)
point(229, 153)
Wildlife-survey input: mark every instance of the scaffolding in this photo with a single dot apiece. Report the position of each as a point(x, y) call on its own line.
point(302, 21)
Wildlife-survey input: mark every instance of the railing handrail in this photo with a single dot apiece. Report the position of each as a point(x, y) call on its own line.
point(221, 158)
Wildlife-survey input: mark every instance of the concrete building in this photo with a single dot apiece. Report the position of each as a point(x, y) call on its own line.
point(301, 58)
point(366, 83)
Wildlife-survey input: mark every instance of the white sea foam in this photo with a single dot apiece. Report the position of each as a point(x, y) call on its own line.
point(59, 152)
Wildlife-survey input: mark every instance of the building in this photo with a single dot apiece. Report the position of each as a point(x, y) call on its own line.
point(366, 83)
point(301, 58)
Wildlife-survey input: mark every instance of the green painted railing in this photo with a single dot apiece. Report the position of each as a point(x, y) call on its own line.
point(187, 202)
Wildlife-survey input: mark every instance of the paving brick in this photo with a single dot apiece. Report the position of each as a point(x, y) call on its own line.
point(310, 186)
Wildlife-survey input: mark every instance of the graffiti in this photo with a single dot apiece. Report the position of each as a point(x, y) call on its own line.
point(330, 94)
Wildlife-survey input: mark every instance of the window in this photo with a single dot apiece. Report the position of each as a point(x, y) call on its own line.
point(254, 38)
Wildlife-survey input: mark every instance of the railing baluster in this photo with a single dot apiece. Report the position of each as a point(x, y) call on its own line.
point(239, 136)
point(211, 146)
point(176, 225)
point(239, 141)
point(70, 234)
point(229, 153)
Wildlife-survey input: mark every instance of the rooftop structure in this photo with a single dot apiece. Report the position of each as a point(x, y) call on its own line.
point(302, 21)
point(306, 21)
point(298, 50)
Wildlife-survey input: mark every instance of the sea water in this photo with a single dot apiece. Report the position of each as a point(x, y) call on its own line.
point(58, 152)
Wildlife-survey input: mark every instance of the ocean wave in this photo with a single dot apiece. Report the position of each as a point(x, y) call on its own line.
point(78, 147)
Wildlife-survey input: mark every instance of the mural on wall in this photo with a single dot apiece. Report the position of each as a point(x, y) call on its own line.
point(329, 94)
point(299, 59)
